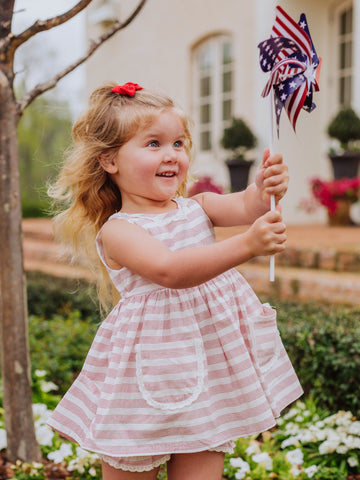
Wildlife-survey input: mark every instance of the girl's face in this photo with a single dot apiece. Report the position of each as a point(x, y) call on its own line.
point(152, 165)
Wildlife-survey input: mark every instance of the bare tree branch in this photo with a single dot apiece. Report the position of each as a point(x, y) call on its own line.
point(12, 42)
point(44, 87)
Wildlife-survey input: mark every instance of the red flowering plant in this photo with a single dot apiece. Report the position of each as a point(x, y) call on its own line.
point(330, 193)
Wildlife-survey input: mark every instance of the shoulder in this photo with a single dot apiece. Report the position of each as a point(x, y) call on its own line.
point(116, 228)
point(206, 200)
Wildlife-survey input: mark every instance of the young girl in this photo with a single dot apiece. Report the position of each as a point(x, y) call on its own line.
point(189, 359)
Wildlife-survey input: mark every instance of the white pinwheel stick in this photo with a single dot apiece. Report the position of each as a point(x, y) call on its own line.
point(272, 197)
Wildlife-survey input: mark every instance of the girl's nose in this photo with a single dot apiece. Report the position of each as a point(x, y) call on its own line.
point(169, 154)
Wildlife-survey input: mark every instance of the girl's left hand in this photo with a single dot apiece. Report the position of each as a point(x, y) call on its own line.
point(272, 177)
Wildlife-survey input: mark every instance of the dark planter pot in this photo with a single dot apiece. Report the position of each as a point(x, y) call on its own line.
point(239, 173)
point(345, 165)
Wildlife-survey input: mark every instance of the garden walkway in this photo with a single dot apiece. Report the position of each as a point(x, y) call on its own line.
point(320, 262)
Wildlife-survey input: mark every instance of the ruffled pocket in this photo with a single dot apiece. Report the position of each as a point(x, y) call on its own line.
point(265, 338)
point(170, 375)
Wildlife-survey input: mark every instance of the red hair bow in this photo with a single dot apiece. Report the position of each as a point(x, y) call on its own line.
point(128, 89)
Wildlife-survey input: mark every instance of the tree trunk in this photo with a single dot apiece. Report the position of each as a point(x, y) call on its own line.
point(16, 376)
point(15, 357)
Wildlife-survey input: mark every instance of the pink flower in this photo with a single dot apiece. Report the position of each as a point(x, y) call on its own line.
point(329, 193)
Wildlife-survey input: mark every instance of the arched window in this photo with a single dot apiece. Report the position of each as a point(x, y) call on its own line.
point(213, 90)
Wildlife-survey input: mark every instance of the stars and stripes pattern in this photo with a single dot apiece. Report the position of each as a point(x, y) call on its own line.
point(291, 59)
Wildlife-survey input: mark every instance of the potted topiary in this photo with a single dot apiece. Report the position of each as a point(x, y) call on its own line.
point(239, 139)
point(345, 127)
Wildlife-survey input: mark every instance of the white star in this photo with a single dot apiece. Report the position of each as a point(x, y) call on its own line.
point(264, 63)
point(281, 86)
point(292, 84)
point(283, 97)
point(303, 24)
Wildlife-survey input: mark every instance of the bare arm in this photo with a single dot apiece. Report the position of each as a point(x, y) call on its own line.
point(243, 208)
point(128, 245)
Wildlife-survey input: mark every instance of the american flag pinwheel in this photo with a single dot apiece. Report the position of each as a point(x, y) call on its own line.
point(290, 58)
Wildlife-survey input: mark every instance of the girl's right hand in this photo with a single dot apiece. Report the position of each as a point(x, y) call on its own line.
point(266, 236)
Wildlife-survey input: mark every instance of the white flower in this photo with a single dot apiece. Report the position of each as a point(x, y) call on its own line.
point(342, 449)
point(254, 447)
point(292, 428)
point(290, 441)
point(44, 435)
point(3, 439)
point(327, 447)
point(299, 418)
point(343, 418)
point(40, 373)
point(291, 413)
point(295, 470)
point(265, 459)
point(310, 471)
point(354, 428)
point(353, 462)
point(238, 462)
point(92, 472)
point(41, 412)
point(64, 451)
point(295, 457)
point(47, 387)
point(307, 436)
point(81, 453)
point(243, 467)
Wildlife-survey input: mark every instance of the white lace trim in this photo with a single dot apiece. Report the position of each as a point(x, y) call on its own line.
point(117, 463)
point(227, 447)
point(172, 405)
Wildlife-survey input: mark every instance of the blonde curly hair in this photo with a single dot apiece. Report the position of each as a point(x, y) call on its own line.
point(84, 193)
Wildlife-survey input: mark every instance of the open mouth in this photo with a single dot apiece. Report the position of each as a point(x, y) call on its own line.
point(166, 174)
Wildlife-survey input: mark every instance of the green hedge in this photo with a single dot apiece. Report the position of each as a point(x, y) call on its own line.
point(59, 345)
point(323, 341)
point(48, 295)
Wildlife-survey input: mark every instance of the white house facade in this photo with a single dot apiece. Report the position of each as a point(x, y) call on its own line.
point(204, 54)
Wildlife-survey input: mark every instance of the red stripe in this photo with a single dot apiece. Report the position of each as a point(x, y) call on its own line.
point(296, 32)
point(295, 105)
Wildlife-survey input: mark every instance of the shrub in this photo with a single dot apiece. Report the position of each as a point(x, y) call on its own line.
point(58, 345)
point(238, 137)
point(48, 295)
point(345, 127)
point(323, 342)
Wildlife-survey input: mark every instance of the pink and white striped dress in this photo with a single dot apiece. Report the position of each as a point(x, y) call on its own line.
point(175, 371)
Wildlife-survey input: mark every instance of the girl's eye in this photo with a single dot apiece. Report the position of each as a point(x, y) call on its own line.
point(178, 144)
point(153, 143)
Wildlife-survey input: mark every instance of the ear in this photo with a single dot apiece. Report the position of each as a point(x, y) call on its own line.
point(108, 162)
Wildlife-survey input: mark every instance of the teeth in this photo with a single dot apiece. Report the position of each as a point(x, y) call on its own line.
point(166, 174)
